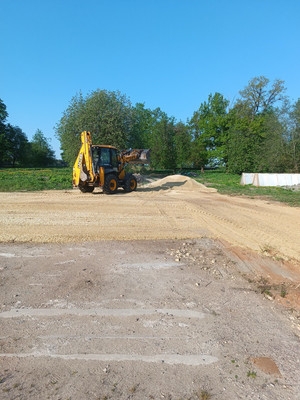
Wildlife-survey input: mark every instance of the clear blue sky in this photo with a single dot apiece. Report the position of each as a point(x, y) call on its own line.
point(165, 53)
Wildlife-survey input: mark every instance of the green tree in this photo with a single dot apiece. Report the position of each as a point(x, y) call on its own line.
point(294, 137)
point(107, 115)
point(245, 139)
point(3, 136)
point(199, 154)
point(252, 140)
point(142, 124)
point(272, 155)
point(259, 96)
point(16, 146)
point(3, 112)
point(209, 129)
point(162, 141)
point(41, 154)
point(183, 141)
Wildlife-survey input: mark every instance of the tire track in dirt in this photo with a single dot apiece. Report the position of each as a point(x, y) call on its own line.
point(201, 222)
point(225, 228)
point(251, 224)
point(257, 229)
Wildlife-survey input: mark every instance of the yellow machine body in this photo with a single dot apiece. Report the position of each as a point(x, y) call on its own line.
point(104, 166)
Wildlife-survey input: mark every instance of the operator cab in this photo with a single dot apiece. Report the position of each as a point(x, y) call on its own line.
point(106, 157)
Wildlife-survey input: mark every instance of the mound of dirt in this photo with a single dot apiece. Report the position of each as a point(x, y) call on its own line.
point(179, 182)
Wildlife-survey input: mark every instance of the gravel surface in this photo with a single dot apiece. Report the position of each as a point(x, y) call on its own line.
point(170, 292)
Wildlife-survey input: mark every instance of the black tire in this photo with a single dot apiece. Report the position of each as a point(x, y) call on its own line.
point(111, 184)
point(86, 189)
point(130, 184)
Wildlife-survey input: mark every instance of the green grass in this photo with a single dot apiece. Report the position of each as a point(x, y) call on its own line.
point(30, 179)
point(229, 184)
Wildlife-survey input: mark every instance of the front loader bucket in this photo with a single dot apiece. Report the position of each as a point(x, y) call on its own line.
point(142, 156)
point(145, 156)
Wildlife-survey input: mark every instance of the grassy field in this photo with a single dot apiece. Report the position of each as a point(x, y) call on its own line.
point(30, 179)
point(18, 179)
point(230, 184)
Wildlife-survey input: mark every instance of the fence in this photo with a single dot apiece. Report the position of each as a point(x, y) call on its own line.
point(256, 179)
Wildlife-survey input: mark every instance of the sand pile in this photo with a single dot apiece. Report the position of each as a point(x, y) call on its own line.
point(179, 182)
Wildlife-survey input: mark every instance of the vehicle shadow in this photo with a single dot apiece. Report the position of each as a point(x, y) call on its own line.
point(146, 188)
point(164, 186)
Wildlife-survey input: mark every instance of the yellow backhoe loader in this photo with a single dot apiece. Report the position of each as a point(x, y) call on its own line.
point(104, 166)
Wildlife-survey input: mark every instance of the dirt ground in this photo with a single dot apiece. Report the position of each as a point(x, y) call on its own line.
point(170, 292)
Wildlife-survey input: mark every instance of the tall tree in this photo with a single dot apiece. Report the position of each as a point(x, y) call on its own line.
point(3, 136)
point(183, 141)
point(162, 142)
point(41, 153)
point(16, 146)
point(142, 123)
point(107, 115)
point(252, 120)
point(259, 96)
point(272, 155)
point(3, 112)
point(246, 135)
point(209, 129)
point(294, 138)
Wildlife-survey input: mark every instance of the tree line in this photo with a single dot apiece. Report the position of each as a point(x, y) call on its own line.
point(17, 151)
point(258, 132)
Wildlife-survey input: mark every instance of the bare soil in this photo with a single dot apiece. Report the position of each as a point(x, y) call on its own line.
point(170, 292)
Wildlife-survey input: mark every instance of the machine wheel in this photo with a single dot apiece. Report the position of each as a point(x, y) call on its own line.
point(110, 184)
point(86, 189)
point(130, 183)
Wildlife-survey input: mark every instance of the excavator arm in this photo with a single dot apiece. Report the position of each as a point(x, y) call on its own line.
point(83, 169)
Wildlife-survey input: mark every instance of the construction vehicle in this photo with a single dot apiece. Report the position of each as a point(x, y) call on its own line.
point(104, 166)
